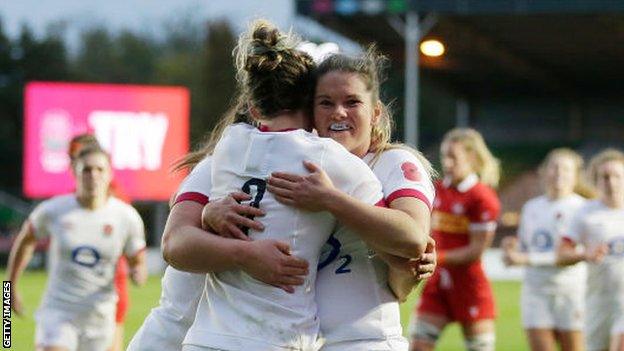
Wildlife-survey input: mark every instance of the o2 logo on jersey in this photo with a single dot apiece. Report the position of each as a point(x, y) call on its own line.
point(616, 246)
point(542, 240)
point(86, 256)
point(330, 251)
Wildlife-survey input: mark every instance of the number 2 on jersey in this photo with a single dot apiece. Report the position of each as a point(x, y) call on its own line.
point(343, 267)
point(258, 194)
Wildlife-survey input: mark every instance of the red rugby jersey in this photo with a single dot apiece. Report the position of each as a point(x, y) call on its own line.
point(458, 210)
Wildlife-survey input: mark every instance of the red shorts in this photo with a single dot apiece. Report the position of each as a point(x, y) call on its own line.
point(121, 286)
point(460, 294)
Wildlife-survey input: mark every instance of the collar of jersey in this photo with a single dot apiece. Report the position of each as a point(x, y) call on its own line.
point(263, 128)
point(471, 180)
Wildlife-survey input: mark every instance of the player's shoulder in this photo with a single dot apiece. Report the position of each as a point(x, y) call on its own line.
point(483, 190)
point(59, 203)
point(119, 206)
point(536, 202)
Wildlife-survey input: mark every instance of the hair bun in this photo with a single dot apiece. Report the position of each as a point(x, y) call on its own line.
point(266, 49)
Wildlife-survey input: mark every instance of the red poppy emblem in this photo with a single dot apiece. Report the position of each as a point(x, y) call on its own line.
point(410, 171)
point(108, 229)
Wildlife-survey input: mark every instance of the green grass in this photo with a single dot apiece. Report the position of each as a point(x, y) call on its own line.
point(509, 335)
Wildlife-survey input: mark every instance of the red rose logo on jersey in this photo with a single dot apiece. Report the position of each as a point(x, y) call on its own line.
point(108, 229)
point(410, 171)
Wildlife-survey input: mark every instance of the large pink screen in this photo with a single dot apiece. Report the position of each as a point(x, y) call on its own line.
point(144, 128)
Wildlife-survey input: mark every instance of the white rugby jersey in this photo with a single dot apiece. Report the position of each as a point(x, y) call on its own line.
point(355, 302)
point(596, 224)
point(237, 312)
point(85, 247)
point(542, 224)
point(180, 291)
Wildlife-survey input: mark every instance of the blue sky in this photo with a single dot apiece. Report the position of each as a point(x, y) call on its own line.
point(150, 15)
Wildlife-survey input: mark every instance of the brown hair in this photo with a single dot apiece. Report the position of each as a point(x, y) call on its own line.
point(369, 67)
point(78, 143)
point(272, 75)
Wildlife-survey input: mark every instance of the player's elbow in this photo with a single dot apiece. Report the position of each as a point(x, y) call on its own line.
point(170, 249)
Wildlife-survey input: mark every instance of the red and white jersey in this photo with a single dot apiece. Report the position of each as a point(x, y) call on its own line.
point(237, 312)
point(84, 250)
point(596, 224)
point(542, 224)
point(181, 290)
point(355, 302)
point(470, 206)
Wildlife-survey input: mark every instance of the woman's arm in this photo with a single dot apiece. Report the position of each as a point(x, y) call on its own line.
point(138, 268)
point(188, 247)
point(405, 274)
point(401, 233)
point(479, 242)
point(567, 254)
point(20, 256)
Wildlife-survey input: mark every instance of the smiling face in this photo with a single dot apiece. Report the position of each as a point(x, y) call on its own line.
point(344, 110)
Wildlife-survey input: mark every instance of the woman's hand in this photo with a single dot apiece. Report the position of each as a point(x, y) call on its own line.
point(420, 268)
point(511, 255)
point(270, 262)
point(308, 192)
point(425, 267)
point(597, 254)
point(227, 216)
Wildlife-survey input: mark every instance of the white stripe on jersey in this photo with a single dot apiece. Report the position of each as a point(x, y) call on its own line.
point(85, 247)
point(237, 311)
point(355, 302)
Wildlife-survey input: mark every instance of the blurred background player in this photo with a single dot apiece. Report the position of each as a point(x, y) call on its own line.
point(90, 230)
point(76, 144)
point(464, 218)
point(553, 298)
point(235, 311)
point(357, 292)
point(599, 227)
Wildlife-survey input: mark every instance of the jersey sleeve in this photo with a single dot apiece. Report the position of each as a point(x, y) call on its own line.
point(403, 175)
point(197, 185)
point(135, 240)
point(40, 219)
point(483, 214)
point(523, 235)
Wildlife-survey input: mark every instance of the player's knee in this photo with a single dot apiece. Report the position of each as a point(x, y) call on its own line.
point(481, 342)
point(424, 331)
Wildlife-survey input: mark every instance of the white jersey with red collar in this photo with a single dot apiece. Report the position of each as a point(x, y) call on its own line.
point(237, 312)
point(84, 250)
point(542, 225)
point(181, 290)
point(355, 302)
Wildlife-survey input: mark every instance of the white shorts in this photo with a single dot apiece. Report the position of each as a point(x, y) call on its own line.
point(562, 310)
point(74, 331)
point(604, 319)
point(152, 335)
point(393, 344)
